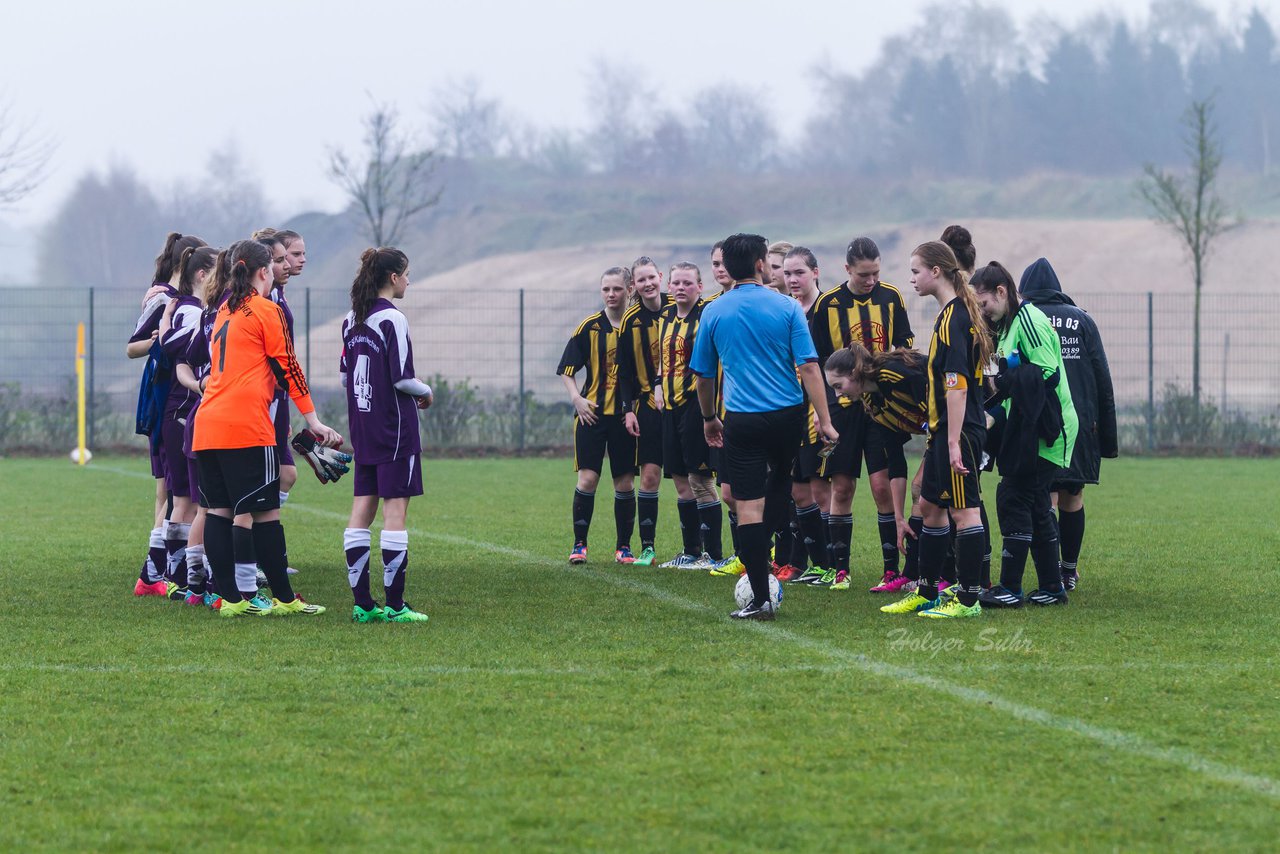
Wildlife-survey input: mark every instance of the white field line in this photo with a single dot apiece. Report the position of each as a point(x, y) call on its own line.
point(907, 677)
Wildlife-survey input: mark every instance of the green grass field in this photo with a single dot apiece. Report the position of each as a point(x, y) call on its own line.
point(608, 708)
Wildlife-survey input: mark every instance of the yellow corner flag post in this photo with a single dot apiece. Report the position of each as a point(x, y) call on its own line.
point(80, 455)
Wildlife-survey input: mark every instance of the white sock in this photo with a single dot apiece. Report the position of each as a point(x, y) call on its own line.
point(284, 496)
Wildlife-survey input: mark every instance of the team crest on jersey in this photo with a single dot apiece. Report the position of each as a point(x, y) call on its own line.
point(878, 337)
point(953, 380)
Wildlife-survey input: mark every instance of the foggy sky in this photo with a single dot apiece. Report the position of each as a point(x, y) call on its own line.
point(161, 85)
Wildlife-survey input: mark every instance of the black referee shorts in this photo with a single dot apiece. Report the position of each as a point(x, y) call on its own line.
point(760, 449)
point(608, 434)
point(649, 445)
point(247, 480)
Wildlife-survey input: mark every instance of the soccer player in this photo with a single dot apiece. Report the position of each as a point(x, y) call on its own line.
point(178, 325)
point(295, 248)
point(281, 270)
point(151, 577)
point(234, 439)
point(809, 492)
point(777, 256)
point(1089, 377)
point(383, 398)
point(685, 456)
point(760, 338)
point(893, 389)
point(598, 418)
point(1033, 387)
point(869, 311)
point(959, 349)
point(638, 358)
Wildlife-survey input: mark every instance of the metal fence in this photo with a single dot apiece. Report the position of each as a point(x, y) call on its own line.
point(492, 357)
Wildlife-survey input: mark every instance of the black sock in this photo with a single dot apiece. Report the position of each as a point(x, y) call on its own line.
point(911, 563)
point(888, 525)
point(753, 543)
point(1013, 560)
point(1071, 526)
point(827, 560)
point(1045, 554)
point(219, 549)
point(584, 504)
point(839, 533)
point(690, 525)
point(986, 548)
point(933, 552)
point(815, 534)
point(799, 551)
point(969, 542)
point(711, 526)
point(948, 570)
point(624, 516)
point(647, 504)
point(733, 530)
point(273, 557)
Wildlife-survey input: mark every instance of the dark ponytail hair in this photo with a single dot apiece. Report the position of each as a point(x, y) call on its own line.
point(859, 362)
point(986, 280)
point(194, 259)
point(247, 258)
point(861, 249)
point(961, 243)
point(377, 266)
point(171, 254)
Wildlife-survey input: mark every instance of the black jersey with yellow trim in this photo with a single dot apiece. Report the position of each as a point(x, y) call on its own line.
point(638, 350)
point(953, 364)
point(594, 347)
point(877, 320)
point(900, 399)
point(676, 335)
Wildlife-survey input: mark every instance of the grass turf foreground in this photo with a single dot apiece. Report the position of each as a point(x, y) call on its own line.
point(619, 708)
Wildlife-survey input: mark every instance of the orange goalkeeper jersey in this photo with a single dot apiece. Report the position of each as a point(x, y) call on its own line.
point(250, 356)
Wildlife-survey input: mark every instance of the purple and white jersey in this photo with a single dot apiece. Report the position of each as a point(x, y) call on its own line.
point(181, 344)
point(376, 364)
point(149, 320)
point(277, 296)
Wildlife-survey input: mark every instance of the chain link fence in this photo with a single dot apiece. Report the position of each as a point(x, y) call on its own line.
point(491, 357)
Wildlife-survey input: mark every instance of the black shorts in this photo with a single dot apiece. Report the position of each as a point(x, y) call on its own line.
point(808, 463)
point(760, 449)
point(246, 480)
point(684, 443)
point(944, 487)
point(1070, 487)
point(884, 450)
point(851, 423)
point(649, 445)
point(1023, 505)
point(609, 433)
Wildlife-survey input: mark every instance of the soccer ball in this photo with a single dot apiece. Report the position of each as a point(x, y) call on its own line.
point(75, 455)
point(742, 592)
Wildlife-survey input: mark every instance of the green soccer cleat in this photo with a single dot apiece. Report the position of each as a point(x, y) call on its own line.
point(729, 567)
point(376, 614)
point(841, 581)
point(908, 604)
point(646, 558)
point(951, 607)
point(297, 606)
point(255, 607)
point(404, 615)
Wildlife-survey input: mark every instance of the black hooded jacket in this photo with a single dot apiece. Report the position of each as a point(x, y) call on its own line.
point(1088, 374)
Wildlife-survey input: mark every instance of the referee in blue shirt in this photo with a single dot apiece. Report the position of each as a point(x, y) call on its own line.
point(760, 337)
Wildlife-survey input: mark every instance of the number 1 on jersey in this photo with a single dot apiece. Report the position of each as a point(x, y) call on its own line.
point(220, 338)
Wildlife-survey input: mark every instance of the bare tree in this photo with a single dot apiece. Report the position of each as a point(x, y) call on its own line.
point(1191, 207)
point(24, 158)
point(468, 124)
point(393, 184)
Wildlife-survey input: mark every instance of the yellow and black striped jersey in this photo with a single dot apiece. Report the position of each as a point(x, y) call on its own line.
point(638, 351)
point(953, 365)
point(594, 346)
point(877, 320)
point(675, 336)
point(900, 399)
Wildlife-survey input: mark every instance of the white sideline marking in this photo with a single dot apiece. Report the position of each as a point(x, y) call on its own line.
point(907, 677)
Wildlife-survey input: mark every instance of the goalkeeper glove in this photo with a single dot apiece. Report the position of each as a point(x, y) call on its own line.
point(328, 464)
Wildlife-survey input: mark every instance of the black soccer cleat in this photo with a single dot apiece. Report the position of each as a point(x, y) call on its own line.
point(1046, 597)
point(1000, 597)
point(754, 612)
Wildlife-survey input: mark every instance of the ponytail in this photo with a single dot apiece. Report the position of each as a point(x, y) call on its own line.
point(377, 266)
point(247, 258)
point(935, 253)
point(171, 255)
point(194, 259)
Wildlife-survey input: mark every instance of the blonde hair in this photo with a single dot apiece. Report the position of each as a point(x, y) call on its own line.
point(935, 253)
